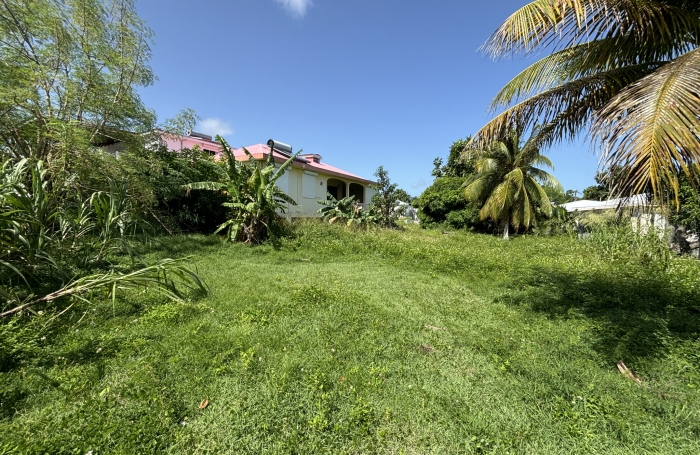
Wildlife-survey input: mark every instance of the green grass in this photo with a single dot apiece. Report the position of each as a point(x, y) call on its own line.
point(409, 342)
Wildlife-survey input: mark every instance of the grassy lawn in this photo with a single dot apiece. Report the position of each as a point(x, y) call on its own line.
point(410, 342)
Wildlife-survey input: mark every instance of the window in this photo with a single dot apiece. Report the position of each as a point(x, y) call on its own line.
point(308, 185)
point(358, 191)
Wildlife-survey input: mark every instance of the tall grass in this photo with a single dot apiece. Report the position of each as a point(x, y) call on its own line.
point(378, 342)
point(51, 248)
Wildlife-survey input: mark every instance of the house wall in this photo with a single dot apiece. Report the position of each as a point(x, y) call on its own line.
point(308, 206)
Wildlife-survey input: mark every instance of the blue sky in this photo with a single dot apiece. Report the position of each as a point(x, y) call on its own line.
point(363, 83)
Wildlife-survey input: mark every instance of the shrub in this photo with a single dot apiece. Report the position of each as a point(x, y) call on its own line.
point(348, 210)
point(194, 211)
point(386, 197)
point(52, 248)
point(255, 201)
point(444, 204)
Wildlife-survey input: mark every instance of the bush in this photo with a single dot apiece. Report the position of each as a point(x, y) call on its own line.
point(348, 211)
point(444, 204)
point(155, 179)
point(254, 200)
point(194, 211)
point(55, 249)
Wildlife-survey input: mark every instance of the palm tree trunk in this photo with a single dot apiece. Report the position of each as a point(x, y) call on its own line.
point(506, 228)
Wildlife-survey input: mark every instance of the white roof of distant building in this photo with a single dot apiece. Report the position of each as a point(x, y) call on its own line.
point(638, 200)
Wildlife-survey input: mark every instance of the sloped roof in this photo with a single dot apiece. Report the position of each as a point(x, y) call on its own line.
point(261, 152)
point(638, 200)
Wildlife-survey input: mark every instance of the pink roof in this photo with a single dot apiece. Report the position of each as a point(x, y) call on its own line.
point(261, 152)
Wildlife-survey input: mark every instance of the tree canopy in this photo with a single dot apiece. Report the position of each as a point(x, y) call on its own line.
point(507, 185)
point(626, 70)
point(458, 164)
point(70, 71)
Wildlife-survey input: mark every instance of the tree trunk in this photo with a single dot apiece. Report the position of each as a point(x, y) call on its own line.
point(506, 228)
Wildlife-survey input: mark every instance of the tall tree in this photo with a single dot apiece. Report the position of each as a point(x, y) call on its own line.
point(458, 164)
point(386, 197)
point(507, 184)
point(626, 70)
point(70, 70)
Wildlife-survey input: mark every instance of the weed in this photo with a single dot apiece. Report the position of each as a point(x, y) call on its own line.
point(325, 355)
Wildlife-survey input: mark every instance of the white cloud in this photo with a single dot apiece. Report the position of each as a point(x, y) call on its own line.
point(297, 8)
point(419, 183)
point(214, 126)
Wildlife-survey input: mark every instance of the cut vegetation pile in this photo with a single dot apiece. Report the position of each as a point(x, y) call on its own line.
point(389, 342)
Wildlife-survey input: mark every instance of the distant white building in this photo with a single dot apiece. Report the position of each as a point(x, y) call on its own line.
point(637, 201)
point(643, 213)
point(407, 212)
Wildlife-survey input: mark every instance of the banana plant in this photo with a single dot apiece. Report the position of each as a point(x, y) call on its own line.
point(348, 210)
point(255, 200)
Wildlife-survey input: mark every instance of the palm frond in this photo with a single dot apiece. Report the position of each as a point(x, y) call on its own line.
point(596, 90)
point(583, 60)
point(541, 160)
point(167, 277)
point(539, 195)
point(481, 186)
point(653, 126)
point(496, 203)
point(545, 178)
point(565, 23)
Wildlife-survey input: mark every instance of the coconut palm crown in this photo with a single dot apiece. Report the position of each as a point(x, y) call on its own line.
point(627, 71)
point(509, 185)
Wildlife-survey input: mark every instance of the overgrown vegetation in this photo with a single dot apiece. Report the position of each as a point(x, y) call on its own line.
point(443, 204)
point(70, 213)
point(52, 249)
point(385, 199)
point(255, 202)
point(412, 342)
point(348, 211)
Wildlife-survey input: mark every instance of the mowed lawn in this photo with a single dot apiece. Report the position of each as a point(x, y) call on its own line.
point(400, 342)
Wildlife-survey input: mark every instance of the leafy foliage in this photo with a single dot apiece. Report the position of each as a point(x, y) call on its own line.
point(507, 184)
point(181, 211)
point(688, 214)
point(627, 70)
point(49, 249)
point(70, 75)
point(347, 210)
point(444, 203)
point(255, 201)
point(608, 183)
point(557, 195)
point(458, 164)
point(386, 196)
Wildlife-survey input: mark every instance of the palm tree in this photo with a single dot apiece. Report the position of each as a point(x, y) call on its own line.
point(507, 183)
point(625, 70)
